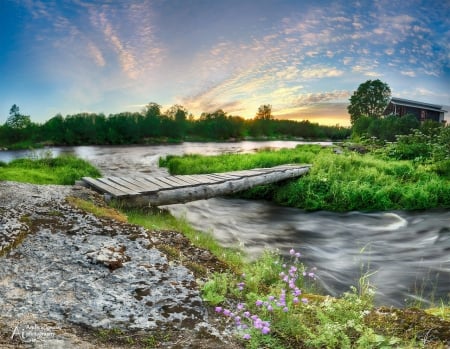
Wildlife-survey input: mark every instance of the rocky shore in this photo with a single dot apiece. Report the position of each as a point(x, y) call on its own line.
point(68, 278)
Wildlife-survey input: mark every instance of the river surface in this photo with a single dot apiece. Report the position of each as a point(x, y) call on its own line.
point(407, 253)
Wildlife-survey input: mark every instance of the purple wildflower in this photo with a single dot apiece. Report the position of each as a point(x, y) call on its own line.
point(218, 309)
point(247, 336)
point(265, 330)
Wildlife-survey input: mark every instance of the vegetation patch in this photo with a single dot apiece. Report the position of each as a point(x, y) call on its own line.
point(48, 170)
point(344, 181)
point(99, 211)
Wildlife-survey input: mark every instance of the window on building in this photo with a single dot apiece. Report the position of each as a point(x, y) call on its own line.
point(423, 115)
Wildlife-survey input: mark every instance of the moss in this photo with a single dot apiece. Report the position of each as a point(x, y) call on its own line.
point(15, 243)
point(198, 270)
point(409, 324)
point(99, 211)
point(170, 251)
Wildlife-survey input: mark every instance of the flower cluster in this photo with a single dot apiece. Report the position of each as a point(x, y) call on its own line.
point(245, 320)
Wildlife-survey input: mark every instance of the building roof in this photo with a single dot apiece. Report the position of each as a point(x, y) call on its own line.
point(416, 104)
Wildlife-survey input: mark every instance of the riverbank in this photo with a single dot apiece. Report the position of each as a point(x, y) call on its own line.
point(99, 252)
point(339, 179)
point(83, 279)
point(58, 272)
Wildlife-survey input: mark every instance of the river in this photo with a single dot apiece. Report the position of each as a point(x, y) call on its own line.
point(407, 252)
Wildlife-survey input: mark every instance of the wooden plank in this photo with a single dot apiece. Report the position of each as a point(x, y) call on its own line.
point(104, 187)
point(117, 186)
point(191, 179)
point(125, 184)
point(177, 182)
point(205, 179)
point(145, 185)
point(169, 181)
point(156, 181)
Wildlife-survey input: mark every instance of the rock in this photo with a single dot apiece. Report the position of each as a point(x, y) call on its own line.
point(111, 256)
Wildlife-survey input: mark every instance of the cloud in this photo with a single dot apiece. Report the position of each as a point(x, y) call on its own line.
point(126, 57)
point(321, 97)
point(409, 73)
point(321, 72)
point(96, 54)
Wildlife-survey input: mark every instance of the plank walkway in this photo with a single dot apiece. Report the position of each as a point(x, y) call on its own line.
point(147, 190)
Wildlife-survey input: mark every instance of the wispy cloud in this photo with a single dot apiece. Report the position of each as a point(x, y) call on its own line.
point(321, 97)
point(321, 72)
point(96, 54)
point(409, 73)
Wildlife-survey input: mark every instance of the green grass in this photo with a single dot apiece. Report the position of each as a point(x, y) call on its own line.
point(60, 170)
point(343, 182)
point(267, 295)
point(155, 219)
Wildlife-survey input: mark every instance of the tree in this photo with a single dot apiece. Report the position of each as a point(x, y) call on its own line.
point(178, 114)
point(17, 120)
point(264, 112)
point(370, 99)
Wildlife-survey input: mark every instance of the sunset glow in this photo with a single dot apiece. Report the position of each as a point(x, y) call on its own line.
point(305, 58)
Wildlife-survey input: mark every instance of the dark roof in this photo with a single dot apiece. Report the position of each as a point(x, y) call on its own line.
point(415, 104)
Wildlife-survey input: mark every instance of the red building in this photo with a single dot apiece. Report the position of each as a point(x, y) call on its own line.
point(422, 111)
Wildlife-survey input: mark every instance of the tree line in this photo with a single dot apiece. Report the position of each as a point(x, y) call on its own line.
point(153, 125)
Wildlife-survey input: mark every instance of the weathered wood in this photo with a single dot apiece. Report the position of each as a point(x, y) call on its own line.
point(143, 191)
point(98, 185)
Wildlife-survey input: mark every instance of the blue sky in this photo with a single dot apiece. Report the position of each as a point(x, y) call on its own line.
point(305, 58)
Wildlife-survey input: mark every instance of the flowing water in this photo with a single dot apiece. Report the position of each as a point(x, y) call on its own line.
point(407, 253)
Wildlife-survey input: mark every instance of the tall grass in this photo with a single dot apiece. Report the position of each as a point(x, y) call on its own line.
point(47, 170)
point(335, 182)
point(156, 219)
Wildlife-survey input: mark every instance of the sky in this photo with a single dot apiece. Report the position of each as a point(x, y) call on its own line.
point(304, 58)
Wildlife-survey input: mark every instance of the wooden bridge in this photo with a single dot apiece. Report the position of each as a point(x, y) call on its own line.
point(156, 191)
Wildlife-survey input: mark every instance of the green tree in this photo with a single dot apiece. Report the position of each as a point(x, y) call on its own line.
point(264, 112)
point(370, 99)
point(178, 114)
point(17, 120)
point(151, 123)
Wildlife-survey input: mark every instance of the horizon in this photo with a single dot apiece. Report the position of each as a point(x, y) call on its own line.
point(305, 60)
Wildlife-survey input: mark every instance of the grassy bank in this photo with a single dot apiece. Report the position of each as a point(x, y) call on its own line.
point(336, 182)
point(271, 301)
point(47, 170)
